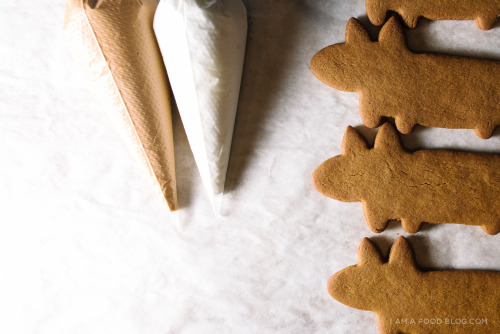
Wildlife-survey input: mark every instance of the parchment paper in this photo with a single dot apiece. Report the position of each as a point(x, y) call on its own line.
point(87, 246)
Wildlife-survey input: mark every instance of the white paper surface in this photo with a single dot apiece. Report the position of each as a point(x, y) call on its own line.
point(88, 247)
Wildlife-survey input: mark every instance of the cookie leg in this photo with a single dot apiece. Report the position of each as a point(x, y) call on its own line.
point(410, 226)
point(376, 11)
point(491, 229)
point(485, 131)
point(404, 124)
point(486, 22)
point(375, 218)
point(409, 19)
point(369, 114)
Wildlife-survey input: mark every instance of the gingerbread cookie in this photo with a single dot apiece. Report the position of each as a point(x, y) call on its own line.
point(434, 186)
point(485, 12)
point(407, 300)
point(427, 89)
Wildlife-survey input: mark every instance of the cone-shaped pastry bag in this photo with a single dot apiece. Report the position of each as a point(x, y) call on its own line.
point(203, 46)
point(114, 40)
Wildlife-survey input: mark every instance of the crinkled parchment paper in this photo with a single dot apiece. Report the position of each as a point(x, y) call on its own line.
point(88, 247)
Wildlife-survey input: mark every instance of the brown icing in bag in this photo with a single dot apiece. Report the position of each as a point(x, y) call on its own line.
point(114, 40)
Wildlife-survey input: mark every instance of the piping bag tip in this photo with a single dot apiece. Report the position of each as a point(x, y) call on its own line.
point(181, 220)
point(170, 195)
point(172, 205)
point(174, 216)
point(216, 201)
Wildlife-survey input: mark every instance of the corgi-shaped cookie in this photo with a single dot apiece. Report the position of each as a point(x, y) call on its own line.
point(407, 300)
point(433, 186)
point(427, 89)
point(485, 12)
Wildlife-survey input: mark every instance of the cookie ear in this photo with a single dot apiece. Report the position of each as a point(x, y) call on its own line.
point(353, 142)
point(368, 253)
point(392, 34)
point(402, 253)
point(388, 138)
point(355, 33)
point(94, 4)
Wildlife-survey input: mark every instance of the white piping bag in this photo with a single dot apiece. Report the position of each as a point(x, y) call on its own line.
point(115, 42)
point(203, 47)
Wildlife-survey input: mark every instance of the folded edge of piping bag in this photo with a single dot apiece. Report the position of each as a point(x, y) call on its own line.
point(203, 46)
point(116, 45)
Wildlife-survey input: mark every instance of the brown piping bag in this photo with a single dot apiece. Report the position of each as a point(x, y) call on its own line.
point(114, 40)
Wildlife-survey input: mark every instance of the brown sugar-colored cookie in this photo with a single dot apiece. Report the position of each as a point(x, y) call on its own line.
point(434, 186)
point(485, 12)
point(427, 89)
point(407, 300)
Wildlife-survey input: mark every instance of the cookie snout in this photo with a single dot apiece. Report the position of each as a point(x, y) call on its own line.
point(330, 66)
point(339, 288)
point(335, 284)
point(324, 177)
point(332, 179)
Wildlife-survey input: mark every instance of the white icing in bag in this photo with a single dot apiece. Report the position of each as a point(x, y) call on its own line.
point(203, 47)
